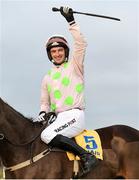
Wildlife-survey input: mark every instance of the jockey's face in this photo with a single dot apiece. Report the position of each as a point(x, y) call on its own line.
point(58, 54)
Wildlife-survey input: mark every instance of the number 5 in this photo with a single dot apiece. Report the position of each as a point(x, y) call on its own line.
point(91, 144)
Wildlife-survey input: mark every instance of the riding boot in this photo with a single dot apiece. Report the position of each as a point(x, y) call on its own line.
point(88, 160)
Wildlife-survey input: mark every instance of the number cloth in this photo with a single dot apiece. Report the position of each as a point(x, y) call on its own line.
point(90, 141)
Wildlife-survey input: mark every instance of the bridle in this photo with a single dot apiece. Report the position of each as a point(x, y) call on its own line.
point(4, 137)
point(38, 156)
point(30, 142)
point(48, 120)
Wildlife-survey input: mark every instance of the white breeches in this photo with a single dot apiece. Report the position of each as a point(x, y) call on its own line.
point(68, 123)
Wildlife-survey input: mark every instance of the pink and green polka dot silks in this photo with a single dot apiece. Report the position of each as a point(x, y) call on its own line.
point(63, 86)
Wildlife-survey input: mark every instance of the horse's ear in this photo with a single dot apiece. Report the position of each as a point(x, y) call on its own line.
point(1, 103)
point(117, 144)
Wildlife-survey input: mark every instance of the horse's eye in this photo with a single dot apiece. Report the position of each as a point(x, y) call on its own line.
point(1, 136)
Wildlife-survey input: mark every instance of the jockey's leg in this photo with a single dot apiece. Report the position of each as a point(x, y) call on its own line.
point(68, 125)
point(88, 160)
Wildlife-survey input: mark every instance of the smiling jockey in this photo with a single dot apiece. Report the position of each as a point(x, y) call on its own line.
point(62, 92)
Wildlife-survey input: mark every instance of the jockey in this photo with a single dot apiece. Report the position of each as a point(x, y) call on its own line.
point(62, 92)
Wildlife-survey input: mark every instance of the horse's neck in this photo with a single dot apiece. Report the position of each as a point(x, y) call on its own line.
point(18, 130)
point(19, 127)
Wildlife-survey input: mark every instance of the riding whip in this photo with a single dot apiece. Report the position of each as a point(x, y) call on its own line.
point(89, 14)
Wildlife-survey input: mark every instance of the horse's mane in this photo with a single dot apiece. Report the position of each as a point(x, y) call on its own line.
point(10, 111)
point(13, 121)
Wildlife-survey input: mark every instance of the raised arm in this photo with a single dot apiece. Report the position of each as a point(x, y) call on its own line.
point(79, 47)
point(80, 44)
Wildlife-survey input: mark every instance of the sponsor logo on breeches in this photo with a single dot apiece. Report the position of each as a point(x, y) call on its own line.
point(65, 125)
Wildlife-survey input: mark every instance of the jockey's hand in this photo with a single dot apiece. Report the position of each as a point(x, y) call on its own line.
point(67, 13)
point(41, 117)
point(47, 117)
point(51, 116)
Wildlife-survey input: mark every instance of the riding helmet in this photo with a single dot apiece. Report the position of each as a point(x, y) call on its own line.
point(57, 41)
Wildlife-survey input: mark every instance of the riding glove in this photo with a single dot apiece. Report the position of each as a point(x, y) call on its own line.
point(68, 14)
point(42, 117)
point(48, 117)
point(51, 116)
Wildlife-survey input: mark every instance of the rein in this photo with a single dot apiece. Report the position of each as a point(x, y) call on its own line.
point(50, 118)
point(30, 142)
point(28, 162)
point(2, 137)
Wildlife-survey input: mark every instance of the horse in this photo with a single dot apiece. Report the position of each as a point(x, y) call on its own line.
point(25, 156)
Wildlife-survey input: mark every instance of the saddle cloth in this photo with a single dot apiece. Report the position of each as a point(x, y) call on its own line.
point(90, 141)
